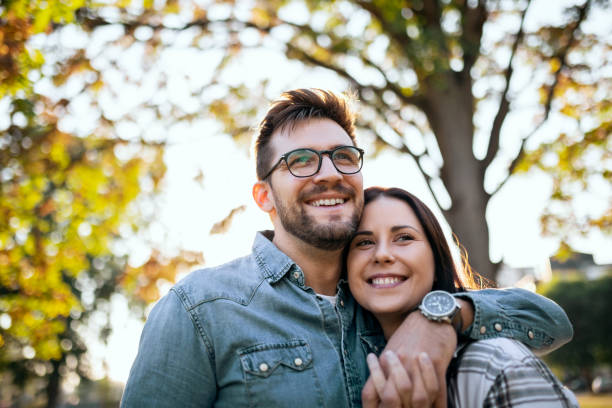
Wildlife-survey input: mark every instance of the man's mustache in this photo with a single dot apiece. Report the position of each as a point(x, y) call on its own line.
point(320, 189)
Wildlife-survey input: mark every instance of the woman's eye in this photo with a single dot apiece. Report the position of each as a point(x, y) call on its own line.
point(405, 237)
point(364, 242)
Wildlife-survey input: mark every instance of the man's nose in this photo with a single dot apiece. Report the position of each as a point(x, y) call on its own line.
point(328, 171)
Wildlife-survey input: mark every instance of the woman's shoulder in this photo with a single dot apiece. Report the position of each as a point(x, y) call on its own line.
point(496, 352)
point(506, 370)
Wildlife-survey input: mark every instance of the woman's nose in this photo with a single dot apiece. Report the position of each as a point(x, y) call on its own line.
point(383, 254)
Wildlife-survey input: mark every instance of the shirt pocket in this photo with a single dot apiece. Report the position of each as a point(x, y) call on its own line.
point(280, 374)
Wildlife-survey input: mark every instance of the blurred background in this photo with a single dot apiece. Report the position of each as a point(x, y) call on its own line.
point(125, 157)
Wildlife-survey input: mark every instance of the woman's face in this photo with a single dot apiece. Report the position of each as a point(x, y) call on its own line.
point(390, 262)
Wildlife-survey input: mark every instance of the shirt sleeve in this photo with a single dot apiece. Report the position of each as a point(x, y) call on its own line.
point(534, 320)
point(174, 367)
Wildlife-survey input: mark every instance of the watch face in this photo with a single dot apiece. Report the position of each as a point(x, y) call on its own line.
point(439, 303)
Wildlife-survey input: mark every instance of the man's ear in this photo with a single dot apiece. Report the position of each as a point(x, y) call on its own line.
point(262, 194)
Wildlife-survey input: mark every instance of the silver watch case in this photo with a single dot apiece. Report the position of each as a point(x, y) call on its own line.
point(439, 306)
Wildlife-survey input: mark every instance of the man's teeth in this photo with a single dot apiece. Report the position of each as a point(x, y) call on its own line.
point(328, 201)
point(386, 281)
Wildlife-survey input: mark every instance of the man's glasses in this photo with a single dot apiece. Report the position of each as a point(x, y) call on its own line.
point(307, 162)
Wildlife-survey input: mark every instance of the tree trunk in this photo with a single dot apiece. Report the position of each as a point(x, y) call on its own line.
point(449, 109)
point(53, 386)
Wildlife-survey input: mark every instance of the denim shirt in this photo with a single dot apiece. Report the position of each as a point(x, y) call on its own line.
point(251, 333)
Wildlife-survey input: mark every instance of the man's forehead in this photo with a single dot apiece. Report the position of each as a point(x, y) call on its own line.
point(319, 133)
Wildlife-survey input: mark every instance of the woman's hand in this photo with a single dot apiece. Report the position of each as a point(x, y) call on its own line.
point(390, 385)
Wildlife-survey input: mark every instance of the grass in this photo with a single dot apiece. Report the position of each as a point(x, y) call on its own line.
point(594, 400)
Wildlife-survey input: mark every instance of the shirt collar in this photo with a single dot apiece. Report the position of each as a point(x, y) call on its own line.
point(273, 263)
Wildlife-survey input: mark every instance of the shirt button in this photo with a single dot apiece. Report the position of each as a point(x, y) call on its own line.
point(296, 275)
point(341, 302)
point(530, 334)
point(263, 367)
point(298, 361)
point(498, 327)
point(483, 330)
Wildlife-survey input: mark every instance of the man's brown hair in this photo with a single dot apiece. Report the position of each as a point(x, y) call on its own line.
point(293, 107)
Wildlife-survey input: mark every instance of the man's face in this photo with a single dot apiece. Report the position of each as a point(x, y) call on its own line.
point(322, 210)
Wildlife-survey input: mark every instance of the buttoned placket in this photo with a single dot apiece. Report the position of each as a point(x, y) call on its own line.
point(345, 309)
point(336, 322)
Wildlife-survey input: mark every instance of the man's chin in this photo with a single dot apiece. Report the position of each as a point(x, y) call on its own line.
point(330, 236)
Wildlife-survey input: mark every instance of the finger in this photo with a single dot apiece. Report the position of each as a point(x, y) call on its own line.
point(423, 394)
point(369, 395)
point(441, 401)
point(397, 388)
point(376, 373)
point(428, 375)
point(400, 379)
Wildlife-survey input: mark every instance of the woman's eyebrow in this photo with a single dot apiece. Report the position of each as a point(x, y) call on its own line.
point(399, 227)
point(363, 233)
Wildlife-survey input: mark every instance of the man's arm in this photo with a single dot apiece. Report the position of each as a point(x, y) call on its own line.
point(173, 366)
point(533, 319)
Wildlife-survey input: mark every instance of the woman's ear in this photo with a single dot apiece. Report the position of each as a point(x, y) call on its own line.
point(262, 196)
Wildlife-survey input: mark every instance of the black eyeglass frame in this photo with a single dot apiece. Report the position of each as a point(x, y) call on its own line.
point(319, 153)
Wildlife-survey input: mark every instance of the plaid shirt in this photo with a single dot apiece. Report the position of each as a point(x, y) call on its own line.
point(502, 372)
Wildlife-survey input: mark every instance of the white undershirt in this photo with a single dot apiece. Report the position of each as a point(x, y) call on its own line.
point(332, 299)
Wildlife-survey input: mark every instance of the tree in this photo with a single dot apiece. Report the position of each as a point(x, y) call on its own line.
point(68, 204)
point(430, 83)
point(587, 304)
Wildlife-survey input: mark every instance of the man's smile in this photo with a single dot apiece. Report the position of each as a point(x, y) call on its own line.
point(327, 202)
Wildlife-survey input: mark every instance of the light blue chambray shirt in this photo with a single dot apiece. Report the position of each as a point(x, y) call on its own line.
point(250, 334)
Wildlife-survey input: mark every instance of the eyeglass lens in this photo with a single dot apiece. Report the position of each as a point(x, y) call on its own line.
point(305, 162)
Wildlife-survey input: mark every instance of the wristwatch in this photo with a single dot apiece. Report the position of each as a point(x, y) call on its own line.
point(441, 306)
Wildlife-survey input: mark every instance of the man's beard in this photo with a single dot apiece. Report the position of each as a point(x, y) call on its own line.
point(329, 236)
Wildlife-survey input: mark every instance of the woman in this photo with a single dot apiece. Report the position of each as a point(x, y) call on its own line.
point(399, 255)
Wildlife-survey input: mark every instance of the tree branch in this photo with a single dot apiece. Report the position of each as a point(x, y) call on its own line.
point(400, 37)
point(472, 25)
point(504, 105)
point(562, 57)
point(404, 149)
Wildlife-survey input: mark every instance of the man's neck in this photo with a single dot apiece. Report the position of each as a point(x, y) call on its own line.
point(321, 268)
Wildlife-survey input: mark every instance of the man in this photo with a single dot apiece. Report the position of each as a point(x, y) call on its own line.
point(278, 327)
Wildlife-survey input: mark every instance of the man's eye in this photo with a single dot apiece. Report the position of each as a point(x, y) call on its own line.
point(346, 158)
point(300, 160)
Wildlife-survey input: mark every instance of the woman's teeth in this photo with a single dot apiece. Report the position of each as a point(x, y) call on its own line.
point(386, 280)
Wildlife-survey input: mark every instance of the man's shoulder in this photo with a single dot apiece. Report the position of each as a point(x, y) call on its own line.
point(235, 280)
